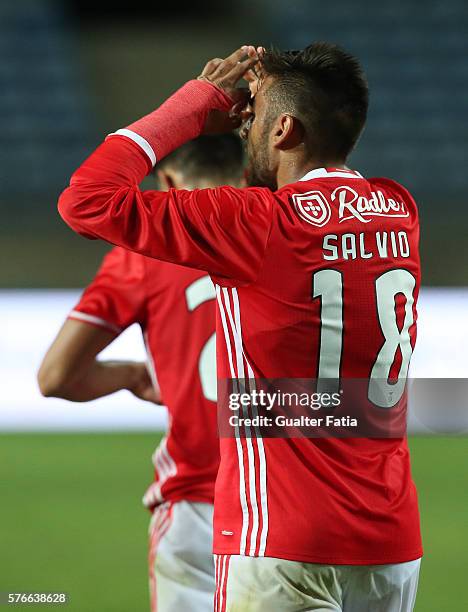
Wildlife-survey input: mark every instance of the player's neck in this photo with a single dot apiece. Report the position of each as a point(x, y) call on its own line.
point(292, 170)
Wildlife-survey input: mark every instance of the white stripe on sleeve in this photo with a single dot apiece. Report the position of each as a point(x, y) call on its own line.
point(140, 141)
point(87, 318)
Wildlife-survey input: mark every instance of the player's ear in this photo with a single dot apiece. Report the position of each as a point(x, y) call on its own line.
point(287, 132)
point(165, 180)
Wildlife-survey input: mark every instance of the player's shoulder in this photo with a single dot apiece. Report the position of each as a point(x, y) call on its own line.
point(330, 182)
point(322, 180)
point(120, 256)
point(388, 184)
point(327, 179)
point(124, 263)
point(395, 192)
point(323, 193)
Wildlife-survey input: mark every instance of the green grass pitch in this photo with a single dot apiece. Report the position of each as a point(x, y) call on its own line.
point(71, 519)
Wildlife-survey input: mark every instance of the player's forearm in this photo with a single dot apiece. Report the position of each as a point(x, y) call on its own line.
point(101, 378)
point(179, 119)
point(106, 184)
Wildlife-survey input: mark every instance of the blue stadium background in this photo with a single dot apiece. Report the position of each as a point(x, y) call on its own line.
point(72, 71)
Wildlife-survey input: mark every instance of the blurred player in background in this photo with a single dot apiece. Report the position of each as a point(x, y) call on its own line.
point(175, 308)
point(317, 276)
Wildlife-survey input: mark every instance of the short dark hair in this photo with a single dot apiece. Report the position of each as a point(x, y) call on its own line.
point(326, 89)
point(217, 157)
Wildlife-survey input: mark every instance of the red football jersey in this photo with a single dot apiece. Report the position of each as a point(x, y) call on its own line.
point(175, 308)
point(309, 282)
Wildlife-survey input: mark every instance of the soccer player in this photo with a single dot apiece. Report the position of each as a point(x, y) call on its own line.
point(317, 276)
point(175, 308)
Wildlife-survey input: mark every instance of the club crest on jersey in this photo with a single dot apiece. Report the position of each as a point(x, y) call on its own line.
point(312, 207)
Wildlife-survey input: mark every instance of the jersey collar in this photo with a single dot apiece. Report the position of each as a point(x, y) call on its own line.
point(331, 173)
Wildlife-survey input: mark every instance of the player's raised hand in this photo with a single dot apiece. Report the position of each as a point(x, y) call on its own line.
point(226, 74)
point(254, 75)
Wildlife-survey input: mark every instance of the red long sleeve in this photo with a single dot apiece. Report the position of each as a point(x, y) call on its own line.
point(223, 231)
point(179, 119)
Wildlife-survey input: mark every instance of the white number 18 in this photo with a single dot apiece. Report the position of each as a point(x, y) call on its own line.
point(328, 285)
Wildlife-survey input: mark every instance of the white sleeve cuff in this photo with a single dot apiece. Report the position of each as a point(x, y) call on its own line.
point(140, 141)
point(87, 318)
